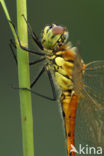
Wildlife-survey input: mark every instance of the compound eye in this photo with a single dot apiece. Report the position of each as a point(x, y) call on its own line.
point(58, 30)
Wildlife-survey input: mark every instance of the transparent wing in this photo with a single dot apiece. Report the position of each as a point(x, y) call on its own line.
point(90, 113)
point(93, 80)
point(90, 121)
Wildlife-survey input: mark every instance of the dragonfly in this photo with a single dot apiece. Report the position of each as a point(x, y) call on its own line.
point(81, 85)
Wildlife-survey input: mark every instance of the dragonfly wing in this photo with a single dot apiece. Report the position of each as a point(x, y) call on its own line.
point(77, 75)
point(93, 80)
point(90, 113)
point(90, 121)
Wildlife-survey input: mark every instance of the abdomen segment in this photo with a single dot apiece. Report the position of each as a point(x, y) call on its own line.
point(69, 107)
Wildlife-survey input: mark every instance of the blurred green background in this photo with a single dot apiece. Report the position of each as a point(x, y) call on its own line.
point(85, 22)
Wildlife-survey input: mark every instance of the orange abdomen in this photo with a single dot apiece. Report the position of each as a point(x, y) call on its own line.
point(69, 107)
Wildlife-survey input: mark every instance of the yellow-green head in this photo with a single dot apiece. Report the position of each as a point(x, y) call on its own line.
point(53, 37)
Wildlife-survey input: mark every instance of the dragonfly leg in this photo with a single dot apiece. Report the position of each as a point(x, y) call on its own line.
point(37, 61)
point(33, 35)
point(13, 45)
point(52, 85)
point(25, 48)
point(54, 98)
point(37, 77)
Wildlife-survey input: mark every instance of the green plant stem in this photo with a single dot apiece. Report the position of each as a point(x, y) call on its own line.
point(24, 81)
point(8, 18)
point(23, 76)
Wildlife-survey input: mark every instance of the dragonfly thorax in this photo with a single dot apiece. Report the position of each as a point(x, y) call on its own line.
point(53, 37)
point(62, 70)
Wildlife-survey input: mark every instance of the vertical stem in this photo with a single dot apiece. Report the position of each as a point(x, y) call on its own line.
point(24, 81)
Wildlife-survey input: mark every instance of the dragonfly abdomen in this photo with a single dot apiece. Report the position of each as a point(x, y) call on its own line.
point(69, 106)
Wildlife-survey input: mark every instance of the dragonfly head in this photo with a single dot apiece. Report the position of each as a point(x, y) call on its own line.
point(53, 37)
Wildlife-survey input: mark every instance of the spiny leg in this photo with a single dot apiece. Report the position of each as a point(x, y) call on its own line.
point(12, 44)
point(54, 98)
point(37, 61)
point(51, 82)
point(52, 85)
point(37, 77)
point(25, 48)
point(34, 36)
